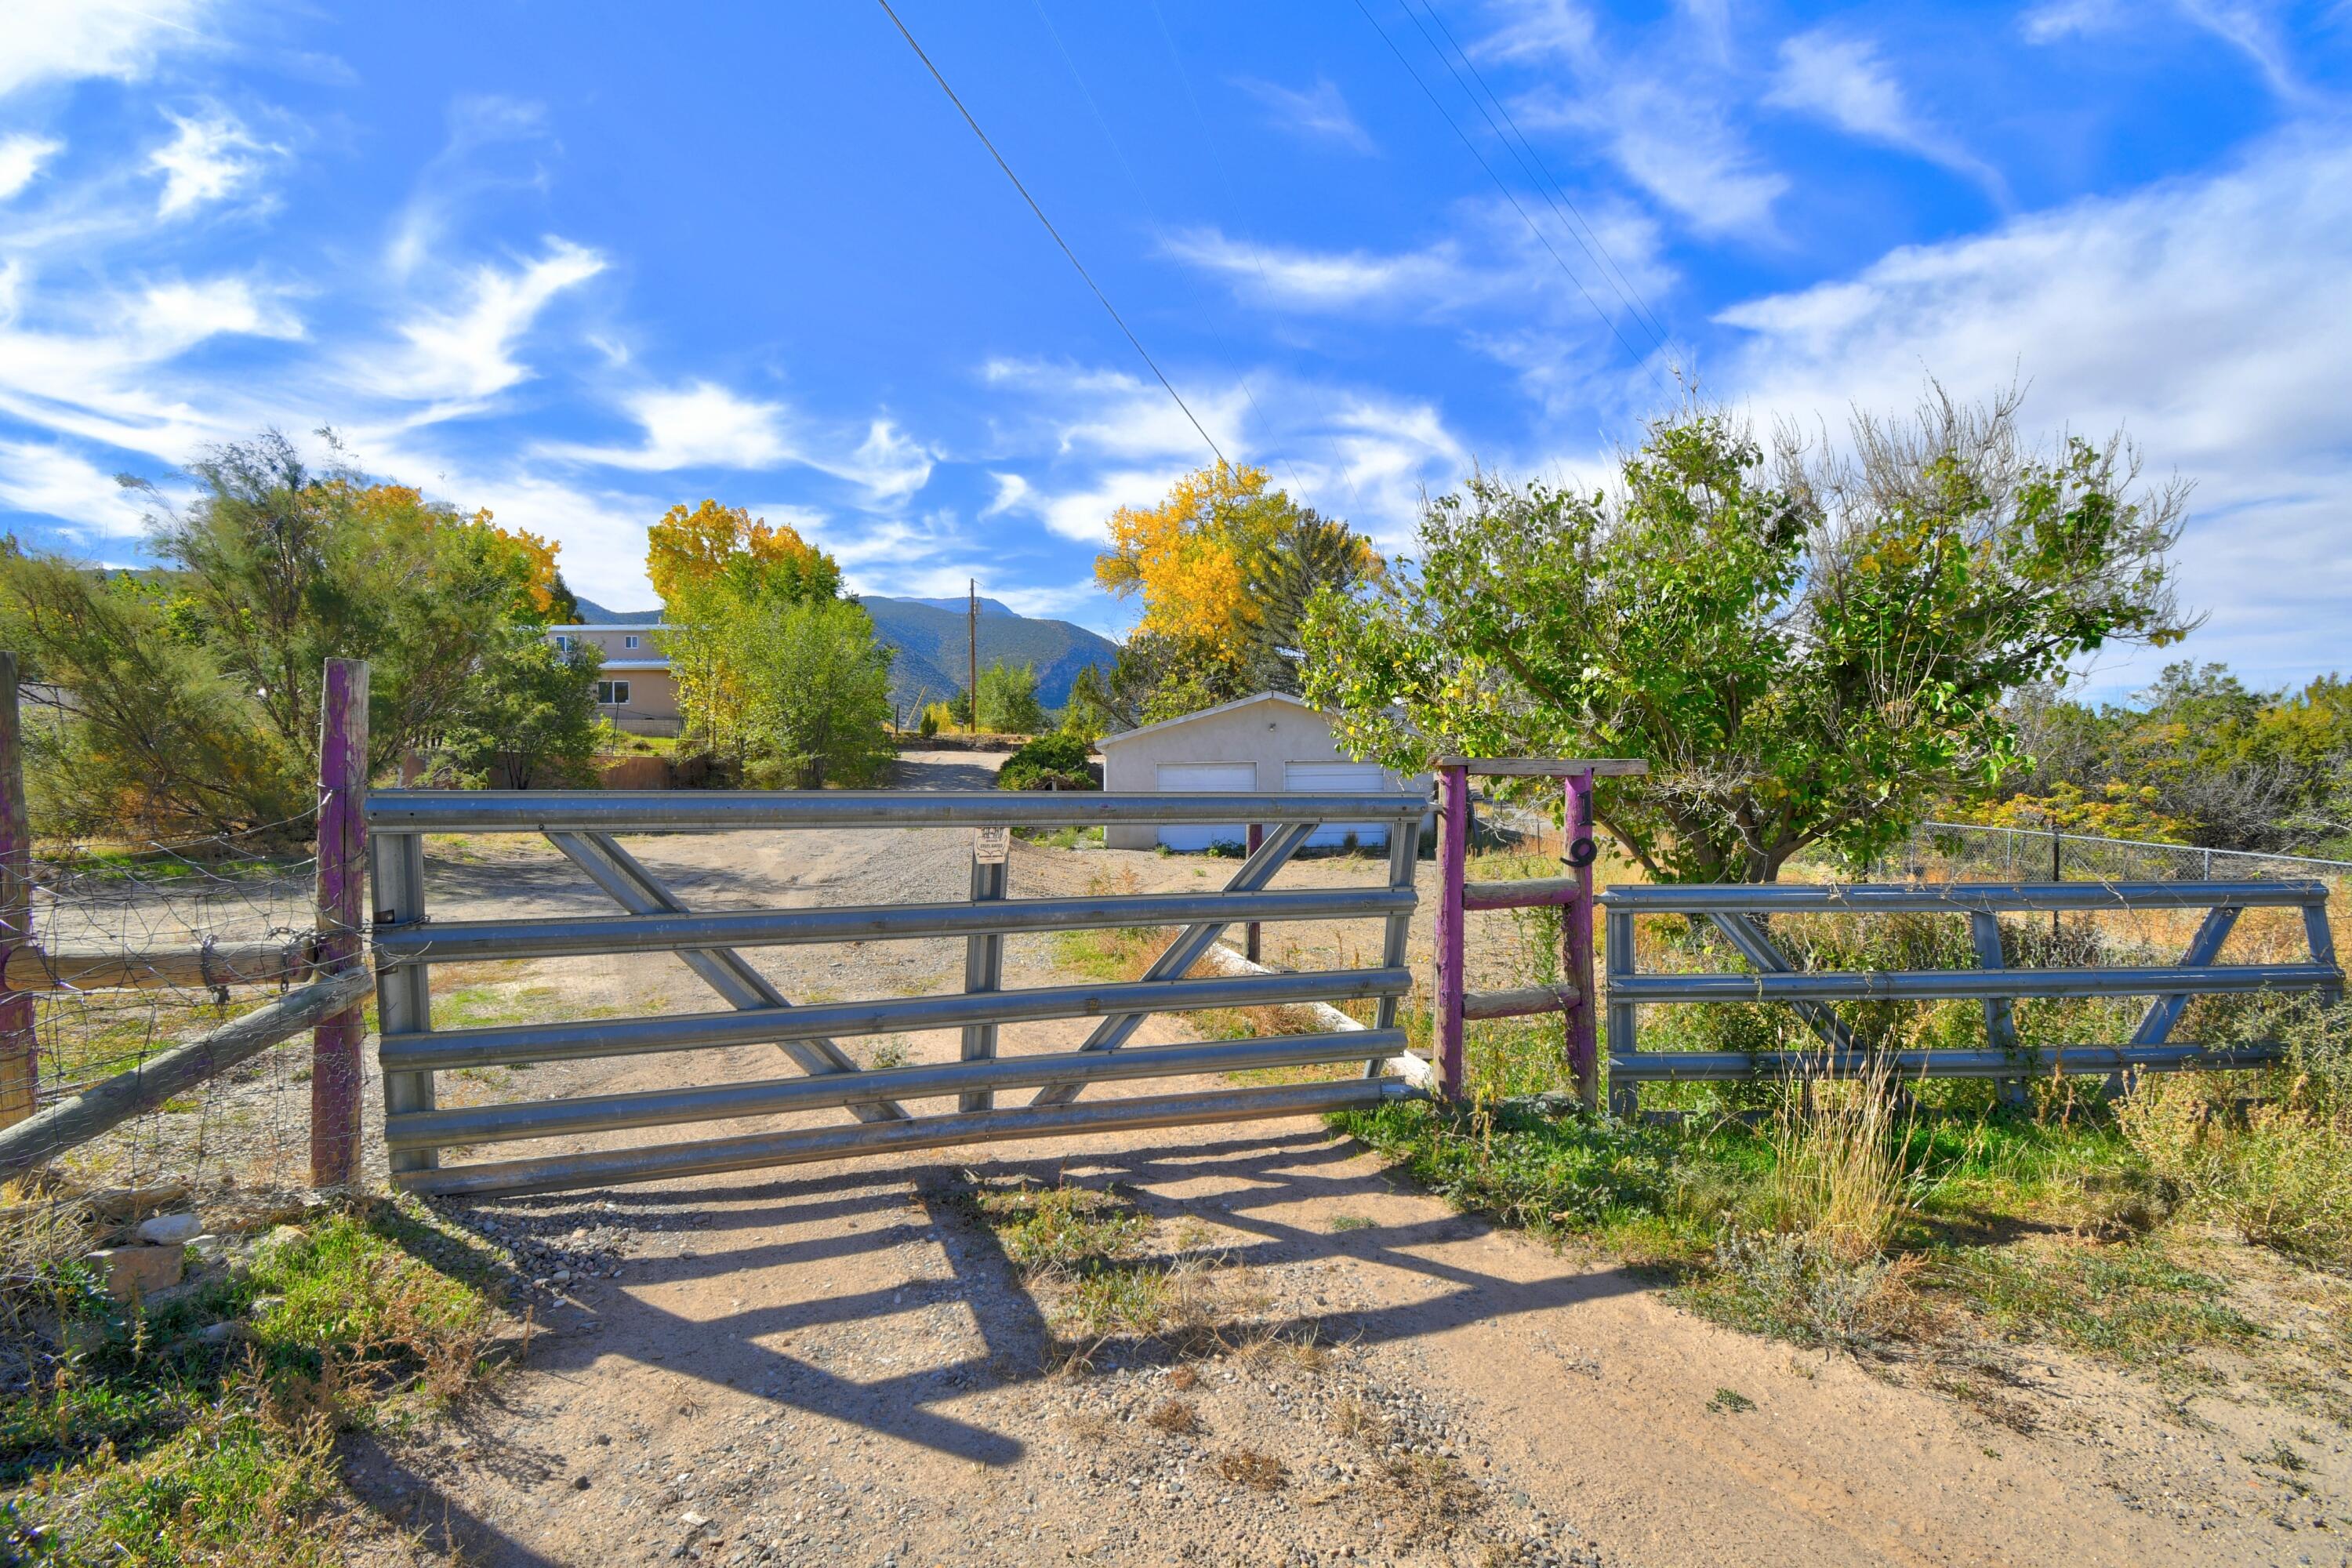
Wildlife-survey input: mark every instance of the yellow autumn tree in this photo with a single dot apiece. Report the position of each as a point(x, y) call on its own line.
point(719, 570)
point(690, 548)
point(1186, 557)
point(1225, 566)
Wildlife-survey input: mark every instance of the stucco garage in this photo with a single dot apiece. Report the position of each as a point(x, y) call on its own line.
point(1269, 742)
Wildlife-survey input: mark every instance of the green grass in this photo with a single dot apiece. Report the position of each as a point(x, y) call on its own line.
point(152, 1444)
point(2131, 1302)
point(2028, 1228)
point(1071, 837)
point(1087, 1254)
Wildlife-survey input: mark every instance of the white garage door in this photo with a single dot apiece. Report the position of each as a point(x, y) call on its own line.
point(1205, 778)
point(1340, 778)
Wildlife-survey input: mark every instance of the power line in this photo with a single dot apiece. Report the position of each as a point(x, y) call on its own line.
point(1073, 256)
point(1627, 292)
point(1533, 228)
point(1224, 178)
point(1149, 217)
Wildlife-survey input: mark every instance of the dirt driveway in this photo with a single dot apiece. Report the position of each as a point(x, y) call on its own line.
point(839, 1363)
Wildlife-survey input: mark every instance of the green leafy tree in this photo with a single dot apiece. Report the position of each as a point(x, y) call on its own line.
point(189, 696)
point(530, 720)
point(1008, 699)
point(816, 691)
point(128, 722)
point(281, 568)
point(1158, 677)
point(1307, 554)
point(1058, 761)
point(1806, 653)
point(2213, 760)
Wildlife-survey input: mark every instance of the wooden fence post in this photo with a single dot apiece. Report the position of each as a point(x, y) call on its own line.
point(1576, 933)
point(1452, 858)
point(19, 1058)
point(335, 1069)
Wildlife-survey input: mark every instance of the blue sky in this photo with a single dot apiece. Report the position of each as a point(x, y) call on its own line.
point(576, 262)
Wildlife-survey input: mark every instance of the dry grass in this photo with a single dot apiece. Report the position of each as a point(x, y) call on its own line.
point(1357, 1419)
point(1086, 1254)
point(1176, 1417)
point(1252, 1467)
point(2279, 1175)
point(1425, 1497)
point(1837, 1170)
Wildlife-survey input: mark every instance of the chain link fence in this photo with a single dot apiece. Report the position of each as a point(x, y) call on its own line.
point(1970, 852)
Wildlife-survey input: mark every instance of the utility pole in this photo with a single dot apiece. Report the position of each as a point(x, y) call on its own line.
point(971, 626)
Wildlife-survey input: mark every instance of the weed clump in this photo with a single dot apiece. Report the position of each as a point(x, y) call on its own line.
point(201, 1428)
point(1252, 1469)
point(1174, 1416)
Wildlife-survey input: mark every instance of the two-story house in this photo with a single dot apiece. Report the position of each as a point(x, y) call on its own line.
point(635, 690)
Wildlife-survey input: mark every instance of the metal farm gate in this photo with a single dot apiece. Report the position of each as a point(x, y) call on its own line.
point(583, 826)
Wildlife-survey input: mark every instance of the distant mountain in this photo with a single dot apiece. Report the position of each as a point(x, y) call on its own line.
point(929, 637)
point(987, 606)
point(931, 651)
point(592, 613)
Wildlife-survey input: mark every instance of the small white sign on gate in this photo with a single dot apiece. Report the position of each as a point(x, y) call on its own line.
point(993, 845)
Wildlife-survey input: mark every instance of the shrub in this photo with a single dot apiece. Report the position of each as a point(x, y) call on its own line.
point(2280, 1175)
point(1049, 762)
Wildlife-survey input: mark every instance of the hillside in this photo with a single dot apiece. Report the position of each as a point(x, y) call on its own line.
point(930, 637)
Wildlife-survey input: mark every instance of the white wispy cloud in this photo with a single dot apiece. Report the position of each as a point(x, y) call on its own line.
point(1319, 112)
point(1490, 259)
point(96, 363)
point(1842, 80)
point(1362, 455)
point(1661, 113)
point(888, 464)
point(1011, 489)
point(179, 315)
point(21, 157)
point(50, 481)
point(209, 158)
point(2250, 30)
point(455, 358)
point(1297, 278)
point(702, 425)
point(2204, 315)
point(67, 41)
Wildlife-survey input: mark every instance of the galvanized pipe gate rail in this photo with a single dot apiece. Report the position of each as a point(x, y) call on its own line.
point(583, 826)
point(1771, 977)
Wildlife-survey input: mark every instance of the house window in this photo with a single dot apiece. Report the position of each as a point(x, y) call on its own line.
point(563, 642)
point(612, 693)
point(628, 642)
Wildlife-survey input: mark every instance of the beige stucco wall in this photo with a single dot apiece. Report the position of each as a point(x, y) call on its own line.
point(652, 707)
point(614, 641)
point(1263, 734)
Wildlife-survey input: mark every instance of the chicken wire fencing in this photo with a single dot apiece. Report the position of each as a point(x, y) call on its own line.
point(140, 944)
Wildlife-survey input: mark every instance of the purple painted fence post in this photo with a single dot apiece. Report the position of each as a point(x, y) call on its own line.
point(1576, 934)
point(1452, 856)
point(20, 1060)
point(335, 1070)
